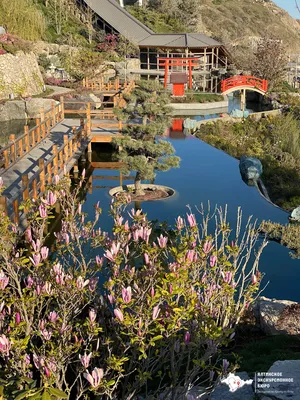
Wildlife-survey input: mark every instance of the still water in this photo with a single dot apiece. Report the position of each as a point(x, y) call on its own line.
point(206, 174)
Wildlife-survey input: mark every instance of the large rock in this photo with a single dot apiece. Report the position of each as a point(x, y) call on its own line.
point(251, 168)
point(222, 391)
point(13, 110)
point(277, 316)
point(33, 106)
point(289, 387)
point(295, 215)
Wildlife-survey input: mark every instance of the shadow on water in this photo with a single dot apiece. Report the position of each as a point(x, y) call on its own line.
point(205, 175)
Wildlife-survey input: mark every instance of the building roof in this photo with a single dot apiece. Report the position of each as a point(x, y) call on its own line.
point(178, 40)
point(135, 31)
point(123, 22)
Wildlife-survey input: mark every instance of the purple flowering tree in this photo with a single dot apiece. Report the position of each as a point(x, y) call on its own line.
point(157, 325)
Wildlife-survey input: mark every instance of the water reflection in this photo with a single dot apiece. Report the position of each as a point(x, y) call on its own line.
point(206, 174)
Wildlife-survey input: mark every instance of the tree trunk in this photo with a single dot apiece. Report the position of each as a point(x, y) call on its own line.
point(138, 185)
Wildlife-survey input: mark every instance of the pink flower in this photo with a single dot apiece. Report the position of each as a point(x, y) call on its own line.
point(51, 198)
point(28, 234)
point(111, 298)
point(95, 378)
point(67, 238)
point(119, 220)
point(207, 247)
point(43, 211)
point(190, 255)
point(29, 282)
point(92, 315)
point(162, 241)
point(225, 365)
point(127, 294)
point(47, 372)
point(4, 345)
point(191, 220)
point(27, 359)
point(85, 360)
point(112, 253)
point(187, 337)
point(212, 261)
point(152, 292)
point(38, 361)
point(35, 259)
point(53, 316)
point(56, 179)
point(146, 257)
point(81, 283)
point(171, 288)
point(44, 252)
point(93, 283)
point(1, 182)
point(18, 318)
point(36, 245)
point(52, 364)
point(118, 314)
point(99, 261)
point(254, 279)
point(46, 334)
point(83, 173)
point(179, 223)
point(155, 312)
point(79, 208)
point(3, 280)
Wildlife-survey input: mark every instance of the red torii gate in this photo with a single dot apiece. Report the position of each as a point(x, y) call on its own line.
point(188, 62)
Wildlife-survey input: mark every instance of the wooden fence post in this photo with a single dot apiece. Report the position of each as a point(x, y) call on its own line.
point(88, 115)
point(34, 189)
point(12, 138)
point(26, 132)
point(3, 205)
point(53, 116)
point(25, 184)
point(62, 105)
point(36, 132)
point(16, 211)
point(42, 174)
point(6, 158)
point(49, 172)
point(66, 139)
point(55, 159)
point(43, 128)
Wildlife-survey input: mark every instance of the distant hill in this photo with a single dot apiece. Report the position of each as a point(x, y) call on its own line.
point(234, 22)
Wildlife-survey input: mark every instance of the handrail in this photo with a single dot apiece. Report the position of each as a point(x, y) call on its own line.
point(241, 80)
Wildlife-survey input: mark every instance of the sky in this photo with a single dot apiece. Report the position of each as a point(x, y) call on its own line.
point(290, 6)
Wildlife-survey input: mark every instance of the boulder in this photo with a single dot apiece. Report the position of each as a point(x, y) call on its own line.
point(250, 168)
point(276, 317)
point(222, 391)
point(13, 110)
point(289, 389)
point(33, 106)
point(295, 215)
point(97, 101)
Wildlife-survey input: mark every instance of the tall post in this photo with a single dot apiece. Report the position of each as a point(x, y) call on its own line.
point(88, 115)
point(12, 138)
point(190, 74)
point(42, 175)
point(25, 184)
point(62, 107)
point(55, 159)
point(3, 205)
point(66, 139)
point(26, 133)
point(53, 116)
point(43, 127)
point(243, 100)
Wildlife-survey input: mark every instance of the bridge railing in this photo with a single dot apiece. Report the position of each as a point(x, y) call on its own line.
point(241, 80)
point(19, 147)
point(36, 185)
point(100, 85)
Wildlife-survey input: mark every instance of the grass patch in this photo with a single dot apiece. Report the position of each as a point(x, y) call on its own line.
point(198, 98)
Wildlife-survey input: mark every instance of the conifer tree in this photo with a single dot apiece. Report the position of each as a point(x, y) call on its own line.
point(141, 147)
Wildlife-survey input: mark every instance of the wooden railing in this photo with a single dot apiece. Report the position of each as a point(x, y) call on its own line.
point(99, 84)
point(18, 147)
point(36, 185)
point(246, 81)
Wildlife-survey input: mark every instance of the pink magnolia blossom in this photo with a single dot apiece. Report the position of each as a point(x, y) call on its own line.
point(118, 314)
point(1, 182)
point(99, 261)
point(3, 280)
point(119, 220)
point(191, 220)
point(53, 316)
point(187, 337)
point(95, 378)
point(52, 364)
point(5, 345)
point(146, 257)
point(179, 223)
point(46, 334)
point(93, 283)
point(47, 288)
point(35, 259)
point(38, 361)
point(190, 255)
point(225, 365)
point(152, 292)
point(126, 226)
point(112, 253)
point(43, 211)
point(228, 277)
point(127, 294)
point(207, 247)
point(212, 261)
point(28, 234)
point(171, 288)
point(83, 173)
point(92, 315)
point(27, 359)
point(36, 245)
point(44, 252)
point(85, 360)
point(162, 241)
point(79, 209)
point(111, 298)
point(56, 179)
point(57, 269)
point(47, 372)
point(17, 318)
point(51, 198)
point(81, 283)
point(29, 282)
point(155, 312)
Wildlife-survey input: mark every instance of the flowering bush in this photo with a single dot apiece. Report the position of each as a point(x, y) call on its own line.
point(167, 306)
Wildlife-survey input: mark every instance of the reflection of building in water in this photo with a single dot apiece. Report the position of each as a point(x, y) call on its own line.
point(176, 130)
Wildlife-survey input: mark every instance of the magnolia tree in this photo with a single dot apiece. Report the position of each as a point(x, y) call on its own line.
point(141, 150)
point(158, 323)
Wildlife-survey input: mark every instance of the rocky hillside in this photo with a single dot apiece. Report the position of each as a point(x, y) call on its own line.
point(241, 21)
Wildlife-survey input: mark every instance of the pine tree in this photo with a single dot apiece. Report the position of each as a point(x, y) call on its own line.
point(141, 148)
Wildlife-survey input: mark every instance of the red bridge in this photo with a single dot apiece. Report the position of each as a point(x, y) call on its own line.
point(241, 82)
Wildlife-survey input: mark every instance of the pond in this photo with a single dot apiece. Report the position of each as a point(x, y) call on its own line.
point(205, 174)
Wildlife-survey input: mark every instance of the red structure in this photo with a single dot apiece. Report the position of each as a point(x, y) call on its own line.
point(185, 62)
point(178, 79)
point(244, 82)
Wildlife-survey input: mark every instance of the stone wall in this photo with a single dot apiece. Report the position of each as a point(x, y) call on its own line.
point(20, 75)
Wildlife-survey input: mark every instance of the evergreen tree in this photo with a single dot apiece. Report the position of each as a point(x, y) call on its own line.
point(141, 148)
